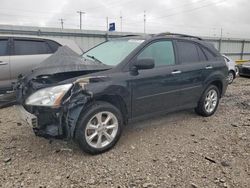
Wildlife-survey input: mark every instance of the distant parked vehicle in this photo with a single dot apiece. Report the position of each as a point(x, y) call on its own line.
point(19, 54)
point(244, 69)
point(231, 69)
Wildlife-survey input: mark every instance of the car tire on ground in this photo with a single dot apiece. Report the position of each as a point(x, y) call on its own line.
point(231, 77)
point(237, 70)
point(99, 128)
point(209, 101)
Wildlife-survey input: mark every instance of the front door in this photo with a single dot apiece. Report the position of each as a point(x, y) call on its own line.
point(154, 90)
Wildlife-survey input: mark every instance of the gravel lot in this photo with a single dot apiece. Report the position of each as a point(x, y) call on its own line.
point(177, 150)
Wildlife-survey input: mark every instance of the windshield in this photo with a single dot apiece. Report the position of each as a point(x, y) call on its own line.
point(112, 52)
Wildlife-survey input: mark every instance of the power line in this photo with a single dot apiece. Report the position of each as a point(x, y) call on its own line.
point(182, 5)
point(181, 12)
point(112, 4)
point(18, 15)
point(145, 18)
point(69, 12)
point(191, 10)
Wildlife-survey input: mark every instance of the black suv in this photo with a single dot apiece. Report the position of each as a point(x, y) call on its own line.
point(129, 78)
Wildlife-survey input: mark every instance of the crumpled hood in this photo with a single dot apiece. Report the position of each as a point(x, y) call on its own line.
point(62, 66)
point(65, 60)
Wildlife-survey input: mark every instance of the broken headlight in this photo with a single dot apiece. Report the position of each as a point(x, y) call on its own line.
point(50, 97)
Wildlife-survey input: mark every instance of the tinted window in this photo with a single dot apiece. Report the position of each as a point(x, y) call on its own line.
point(188, 52)
point(208, 54)
point(53, 45)
point(162, 52)
point(201, 54)
point(3, 47)
point(30, 47)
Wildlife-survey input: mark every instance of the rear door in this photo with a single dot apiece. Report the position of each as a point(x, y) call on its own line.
point(213, 62)
point(5, 83)
point(192, 65)
point(26, 55)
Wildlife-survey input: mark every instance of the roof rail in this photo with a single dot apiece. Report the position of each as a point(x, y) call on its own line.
point(131, 35)
point(176, 34)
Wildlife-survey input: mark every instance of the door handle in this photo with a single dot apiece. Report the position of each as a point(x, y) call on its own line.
point(3, 63)
point(176, 72)
point(209, 67)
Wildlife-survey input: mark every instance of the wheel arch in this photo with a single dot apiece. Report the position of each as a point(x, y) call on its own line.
point(218, 83)
point(118, 102)
point(233, 71)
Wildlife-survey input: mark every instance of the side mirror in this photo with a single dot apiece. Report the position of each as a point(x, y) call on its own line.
point(146, 63)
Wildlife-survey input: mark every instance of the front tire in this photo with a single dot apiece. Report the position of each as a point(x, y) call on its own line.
point(209, 102)
point(99, 128)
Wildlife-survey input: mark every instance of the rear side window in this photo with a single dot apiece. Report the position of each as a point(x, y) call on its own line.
point(201, 54)
point(162, 52)
point(209, 54)
point(187, 52)
point(53, 45)
point(30, 47)
point(3, 47)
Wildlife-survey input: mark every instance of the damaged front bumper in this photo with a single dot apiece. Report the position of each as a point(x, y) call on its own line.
point(46, 122)
point(57, 122)
point(27, 117)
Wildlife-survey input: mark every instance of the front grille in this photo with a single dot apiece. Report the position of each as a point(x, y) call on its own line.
point(34, 122)
point(245, 70)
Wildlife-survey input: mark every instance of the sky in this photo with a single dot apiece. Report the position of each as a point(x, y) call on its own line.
point(214, 18)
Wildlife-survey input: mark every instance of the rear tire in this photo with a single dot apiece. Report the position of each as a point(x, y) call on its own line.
point(231, 77)
point(99, 128)
point(209, 102)
point(237, 71)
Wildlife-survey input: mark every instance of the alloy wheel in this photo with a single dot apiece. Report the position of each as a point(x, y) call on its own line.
point(101, 129)
point(211, 101)
point(230, 77)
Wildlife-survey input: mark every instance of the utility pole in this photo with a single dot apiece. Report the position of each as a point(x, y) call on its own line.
point(62, 22)
point(80, 13)
point(145, 18)
point(221, 33)
point(121, 22)
point(220, 41)
point(107, 22)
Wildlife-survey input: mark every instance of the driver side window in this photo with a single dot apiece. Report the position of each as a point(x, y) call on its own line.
point(162, 52)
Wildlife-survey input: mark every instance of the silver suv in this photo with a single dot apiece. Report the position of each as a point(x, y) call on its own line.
point(20, 54)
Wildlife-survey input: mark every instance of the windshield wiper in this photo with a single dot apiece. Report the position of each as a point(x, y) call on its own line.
point(94, 58)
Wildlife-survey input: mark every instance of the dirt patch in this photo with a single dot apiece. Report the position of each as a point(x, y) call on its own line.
point(176, 150)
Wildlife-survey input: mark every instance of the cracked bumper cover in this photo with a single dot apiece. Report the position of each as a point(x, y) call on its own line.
point(57, 122)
